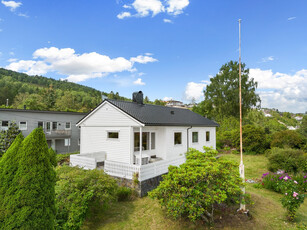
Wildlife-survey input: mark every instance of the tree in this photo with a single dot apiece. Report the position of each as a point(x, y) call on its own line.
point(222, 94)
point(32, 201)
point(288, 138)
point(194, 188)
point(8, 168)
point(7, 137)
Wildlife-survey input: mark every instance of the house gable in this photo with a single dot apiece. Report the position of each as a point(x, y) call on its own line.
point(106, 114)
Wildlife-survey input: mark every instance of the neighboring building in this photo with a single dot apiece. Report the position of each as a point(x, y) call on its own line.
point(176, 104)
point(132, 138)
point(59, 127)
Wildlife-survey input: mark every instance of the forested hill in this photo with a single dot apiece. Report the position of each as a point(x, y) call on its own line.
point(41, 93)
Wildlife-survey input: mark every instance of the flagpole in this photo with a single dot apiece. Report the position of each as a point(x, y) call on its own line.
point(241, 167)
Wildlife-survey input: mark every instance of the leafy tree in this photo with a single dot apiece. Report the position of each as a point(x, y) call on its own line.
point(31, 205)
point(194, 188)
point(254, 139)
point(288, 138)
point(7, 137)
point(8, 168)
point(303, 126)
point(222, 94)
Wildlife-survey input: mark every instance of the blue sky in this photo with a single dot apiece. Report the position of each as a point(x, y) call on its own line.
point(166, 48)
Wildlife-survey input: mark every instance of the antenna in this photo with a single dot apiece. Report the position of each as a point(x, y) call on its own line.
point(241, 167)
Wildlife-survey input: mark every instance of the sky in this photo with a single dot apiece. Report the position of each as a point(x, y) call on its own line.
point(169, 49)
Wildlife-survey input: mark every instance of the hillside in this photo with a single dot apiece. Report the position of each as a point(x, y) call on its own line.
point(41, 93)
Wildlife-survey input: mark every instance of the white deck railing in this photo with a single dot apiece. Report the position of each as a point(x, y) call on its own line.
point(145, 172)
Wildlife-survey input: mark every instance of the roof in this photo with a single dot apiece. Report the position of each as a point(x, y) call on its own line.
point(41, 111)
point(155, 115)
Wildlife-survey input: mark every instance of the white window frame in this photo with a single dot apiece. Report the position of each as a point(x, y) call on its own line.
point(206, 136)
point(79, 141)
point(150, 140)
point(67, 142)
point(41, 126)
point(112, 131)
point(4, 127)
point(69, 126)
point(26, 126)
point(180, 140)
point(196, 142)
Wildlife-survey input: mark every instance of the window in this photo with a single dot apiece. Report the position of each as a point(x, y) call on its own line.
point(145, 141)
point(153, 140)
point(23, 125)
point(40, 124)
point(207, 136)
point(4, 123)
point(79, 141)
point(113, 135)
point(48, 126)
point(67, 125)
point(67, 142)
point(194, 137)
point(177, 139)
point(54, 125)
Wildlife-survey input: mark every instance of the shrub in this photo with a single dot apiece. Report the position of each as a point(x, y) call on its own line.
point(290, 160)
point(292, 188)
point(124, 193)
point(64, 158)
point(78, 191)
point(192, 189)
point(7, 137)
point(30, 204)
point(287, 138)
point(254, 139)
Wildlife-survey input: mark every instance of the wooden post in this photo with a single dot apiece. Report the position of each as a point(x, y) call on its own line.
point(241, 167)
point(141, 145)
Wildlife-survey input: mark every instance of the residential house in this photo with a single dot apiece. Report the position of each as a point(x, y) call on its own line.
point(132, 138)
point(60, 128)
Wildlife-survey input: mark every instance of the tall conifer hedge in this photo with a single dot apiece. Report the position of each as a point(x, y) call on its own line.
point(32, 204)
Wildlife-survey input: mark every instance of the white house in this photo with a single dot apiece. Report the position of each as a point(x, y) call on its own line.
point(132, 138)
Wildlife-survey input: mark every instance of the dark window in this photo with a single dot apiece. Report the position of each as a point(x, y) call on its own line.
point(194, 137)
point(177, 138)
point(145, 141)
point(207, 136)
point(5, 124)
point(67, 125)
point(113, 135)
point(153, 140)
point(40, 124)
point(54, 125)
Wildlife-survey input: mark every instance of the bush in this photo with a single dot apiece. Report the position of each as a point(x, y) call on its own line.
point(292, 188)
point(254, 139)
point(7, 137)
point(30, 202)
point(288, 139)
point(124, 193)
point(64, 158)
point(192, 189)
point(290, 160)
point(78, 191)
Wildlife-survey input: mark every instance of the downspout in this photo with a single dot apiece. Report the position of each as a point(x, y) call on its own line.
point(188, 138)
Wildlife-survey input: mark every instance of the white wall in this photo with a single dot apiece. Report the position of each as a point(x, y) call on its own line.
point(202, 138)
point(94, 139)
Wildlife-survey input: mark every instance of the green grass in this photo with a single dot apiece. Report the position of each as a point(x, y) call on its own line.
point(145, 213)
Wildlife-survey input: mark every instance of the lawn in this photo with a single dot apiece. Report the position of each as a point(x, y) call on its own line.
point(145, 213)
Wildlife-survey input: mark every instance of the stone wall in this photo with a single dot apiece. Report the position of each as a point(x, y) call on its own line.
point(143, 187)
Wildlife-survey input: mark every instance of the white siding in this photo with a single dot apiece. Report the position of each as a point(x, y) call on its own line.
point(202, 138)
point(109, 115)
point(94, 139)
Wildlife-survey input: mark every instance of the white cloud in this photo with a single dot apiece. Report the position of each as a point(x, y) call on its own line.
point(11, 53)
point(285, 92)
point(11, 4)
point(123, 15)
point(148, 54)
point(167, 20)
point(78, 67)
point(167, 98)
point(195, 90)
point(23, 15)
point(145, 8)
point(176, 7)
point(291, 18)
point(267, 59)
point(142, 59)
point(139, 82)
point(127, 6)
point(12, 60)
